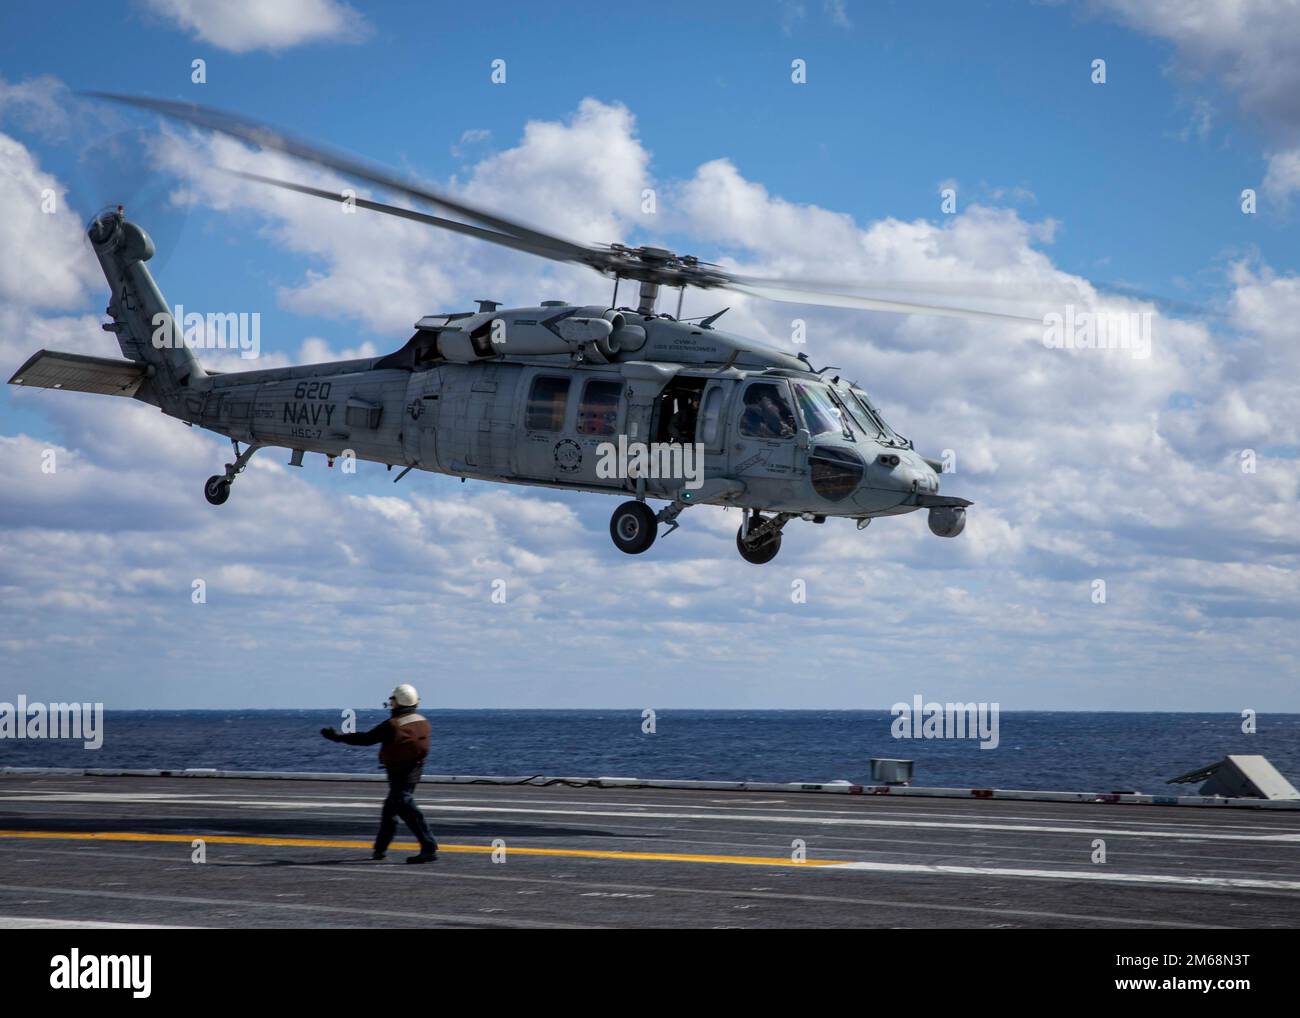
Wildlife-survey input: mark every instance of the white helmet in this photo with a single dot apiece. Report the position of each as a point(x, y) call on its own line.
point(404, 696)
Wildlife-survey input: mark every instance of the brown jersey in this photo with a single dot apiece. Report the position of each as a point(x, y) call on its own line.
point(408, 743)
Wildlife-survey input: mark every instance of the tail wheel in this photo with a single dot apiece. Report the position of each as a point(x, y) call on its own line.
point(217, 490)
point(633, 527)
point(759, 552)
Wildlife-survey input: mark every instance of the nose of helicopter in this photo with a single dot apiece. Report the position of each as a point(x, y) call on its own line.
point(910, 472)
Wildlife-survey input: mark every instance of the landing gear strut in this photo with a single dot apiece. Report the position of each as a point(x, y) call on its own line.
point(217, 487)
point(758, 539)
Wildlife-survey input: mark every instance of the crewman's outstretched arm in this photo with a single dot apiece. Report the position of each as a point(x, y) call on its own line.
point(377, 734)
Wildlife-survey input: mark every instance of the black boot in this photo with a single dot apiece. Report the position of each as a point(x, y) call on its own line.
point(426, 855)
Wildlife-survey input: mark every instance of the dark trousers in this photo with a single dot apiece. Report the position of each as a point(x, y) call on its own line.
point(401, 803)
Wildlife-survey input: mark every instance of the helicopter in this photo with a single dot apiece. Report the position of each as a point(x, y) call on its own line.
point(602, 398)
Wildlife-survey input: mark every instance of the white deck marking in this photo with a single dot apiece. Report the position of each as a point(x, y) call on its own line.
point(294, 907)
point(18, 922)
point(1093, 874)
point(831, 821)
point(771, 894)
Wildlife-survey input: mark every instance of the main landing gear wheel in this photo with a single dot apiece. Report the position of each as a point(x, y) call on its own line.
point(633, 527)
point(217, 490)
point(759, 552)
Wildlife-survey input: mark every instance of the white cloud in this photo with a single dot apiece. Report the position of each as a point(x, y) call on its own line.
point(836, 13)
point(793, 14)
point(1283, 177)
point(582, 178)
point(469, 139)
point(243, 25)
point(1253, 46)
point(39, 105)
point(46, 255)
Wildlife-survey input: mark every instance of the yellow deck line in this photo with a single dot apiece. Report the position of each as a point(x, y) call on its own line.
point(569, 853)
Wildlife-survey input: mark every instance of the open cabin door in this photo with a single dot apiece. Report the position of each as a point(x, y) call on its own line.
point(645, 382)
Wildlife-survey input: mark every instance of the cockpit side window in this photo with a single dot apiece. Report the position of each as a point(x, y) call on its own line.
point(767, 412)
point(820, 413)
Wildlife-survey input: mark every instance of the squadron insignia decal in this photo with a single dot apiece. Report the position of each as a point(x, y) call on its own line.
point(568, 455)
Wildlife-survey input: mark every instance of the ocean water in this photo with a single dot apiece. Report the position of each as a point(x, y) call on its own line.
point(1038, 750)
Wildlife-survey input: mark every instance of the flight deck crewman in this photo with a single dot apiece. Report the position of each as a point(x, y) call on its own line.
point(403, 744)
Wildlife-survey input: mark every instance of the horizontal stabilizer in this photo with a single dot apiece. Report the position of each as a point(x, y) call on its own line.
point(50, 369)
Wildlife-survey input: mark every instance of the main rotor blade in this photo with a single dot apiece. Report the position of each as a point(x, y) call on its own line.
point(793, 295)
point(395, 210)
point(1042, 295)
point(648, 264)
point(254, 133)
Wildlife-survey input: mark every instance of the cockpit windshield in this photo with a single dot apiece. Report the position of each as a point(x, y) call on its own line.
point(852, 417)
point(821, 412)
point(878, 427)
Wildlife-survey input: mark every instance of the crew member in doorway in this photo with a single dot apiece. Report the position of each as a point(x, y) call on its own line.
point(403, 744)
point(681, 426)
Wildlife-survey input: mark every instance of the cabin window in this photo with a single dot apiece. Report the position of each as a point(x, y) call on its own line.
point(598, 411)
point(547, 403)
point(767, 412)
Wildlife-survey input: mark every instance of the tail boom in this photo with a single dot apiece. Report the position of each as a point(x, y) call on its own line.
point(142, 321)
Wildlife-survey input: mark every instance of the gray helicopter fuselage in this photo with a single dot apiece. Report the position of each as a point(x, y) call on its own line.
point(580, 398)
point(550, 395)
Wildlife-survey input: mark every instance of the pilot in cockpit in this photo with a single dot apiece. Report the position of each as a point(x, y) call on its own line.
point(764, 417)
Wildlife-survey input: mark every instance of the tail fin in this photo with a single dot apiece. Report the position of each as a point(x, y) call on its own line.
point(142, 320)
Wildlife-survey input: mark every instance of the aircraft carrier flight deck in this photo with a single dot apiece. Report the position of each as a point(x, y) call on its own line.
point(91, 850)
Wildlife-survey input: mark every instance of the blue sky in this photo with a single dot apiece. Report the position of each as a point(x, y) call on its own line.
point(324, 587)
